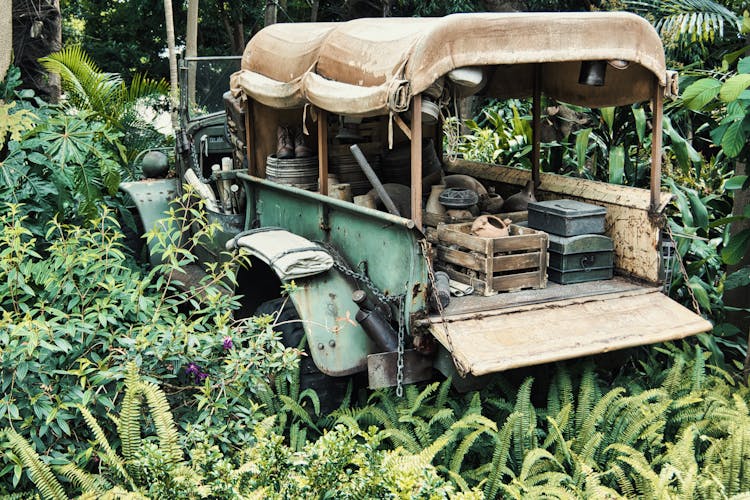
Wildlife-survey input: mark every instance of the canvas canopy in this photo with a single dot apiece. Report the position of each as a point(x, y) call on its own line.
point(371, 67)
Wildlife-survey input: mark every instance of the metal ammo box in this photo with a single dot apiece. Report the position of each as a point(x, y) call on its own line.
point(566, 217)
point(575, 259)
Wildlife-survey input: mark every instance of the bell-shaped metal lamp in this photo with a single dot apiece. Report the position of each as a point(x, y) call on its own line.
point(592, 73)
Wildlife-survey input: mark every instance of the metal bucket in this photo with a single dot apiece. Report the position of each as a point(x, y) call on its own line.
point(298, 172)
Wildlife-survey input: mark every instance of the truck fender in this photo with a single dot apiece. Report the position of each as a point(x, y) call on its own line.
point(152, 199)
point(323, 297)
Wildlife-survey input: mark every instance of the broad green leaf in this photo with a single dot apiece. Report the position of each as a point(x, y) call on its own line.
point(736, 182)
point(733, 140)
point(700, 93)
point(582, 143)
point(743, 65)
point(732, 88)
point(639, 114)
point(733, 252)
point(737, 279)
point(616, 165)
point(682, 203)
point(697, 286)
point(608, 115)
point(700, 213)
point(730, 58)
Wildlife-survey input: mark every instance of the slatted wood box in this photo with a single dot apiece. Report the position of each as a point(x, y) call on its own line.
point(493, 265)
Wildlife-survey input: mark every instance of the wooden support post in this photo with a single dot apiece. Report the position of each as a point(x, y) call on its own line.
point(250, 138)
point(536, 116)
point(657, 105)
point(416, 160)
point(323, 152)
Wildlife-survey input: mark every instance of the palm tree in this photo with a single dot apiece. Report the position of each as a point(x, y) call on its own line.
point(684, 22)
point(107, 96)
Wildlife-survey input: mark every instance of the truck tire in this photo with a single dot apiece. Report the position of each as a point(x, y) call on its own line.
point(330, 390)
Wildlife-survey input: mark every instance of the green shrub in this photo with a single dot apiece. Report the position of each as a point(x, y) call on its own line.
point(76, 314)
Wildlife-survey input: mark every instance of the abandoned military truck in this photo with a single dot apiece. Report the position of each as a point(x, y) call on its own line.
point(325, 164)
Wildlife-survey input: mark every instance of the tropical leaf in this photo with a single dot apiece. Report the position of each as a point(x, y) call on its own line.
point(700, 93)
point(733, 87)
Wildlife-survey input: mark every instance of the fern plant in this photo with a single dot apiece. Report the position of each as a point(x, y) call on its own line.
point(129, 473)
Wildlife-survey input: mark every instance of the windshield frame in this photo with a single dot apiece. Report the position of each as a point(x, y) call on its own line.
point(186, 114)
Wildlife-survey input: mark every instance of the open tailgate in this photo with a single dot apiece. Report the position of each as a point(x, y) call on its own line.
point(494, 341)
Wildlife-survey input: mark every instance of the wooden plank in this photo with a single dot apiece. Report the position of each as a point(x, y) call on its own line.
point(657, 107)
point(450, 236)
point(464, 259)
point(462, 307)
point(516, 262)
point(517, 281)
point(477, 283)
point(564, 187)
point(520, 242)
point(562, 331)
point(416, 160)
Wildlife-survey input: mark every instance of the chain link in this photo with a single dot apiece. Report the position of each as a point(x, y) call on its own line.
point(400, 361)
point(362, 278)
point(683, 271)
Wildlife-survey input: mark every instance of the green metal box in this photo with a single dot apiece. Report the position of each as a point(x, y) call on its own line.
point(566, 217)
point(576, 259)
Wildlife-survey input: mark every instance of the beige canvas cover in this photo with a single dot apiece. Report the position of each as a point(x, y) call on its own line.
point(374, 66)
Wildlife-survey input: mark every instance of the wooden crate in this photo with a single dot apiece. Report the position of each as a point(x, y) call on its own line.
point(493, 265)
point(431, 221)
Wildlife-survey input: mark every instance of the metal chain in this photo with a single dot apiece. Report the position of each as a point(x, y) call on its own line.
point(361, 277)
point(683, 271)
point(398, 300)
point(400, 360)
point(433, 285)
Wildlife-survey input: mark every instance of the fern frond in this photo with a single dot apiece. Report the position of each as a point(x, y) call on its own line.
point(89, 484)
point(296, 409)
point(587, 397)
point(538, 461)
point(39, 472)
point(310, 394)
point(555, 436)
point(129, 425)
point(400, 438)
point(500, 455)
point(524, 431)
point(110, 457)
point(161, 413)
point(442, 396)
point(463, 448)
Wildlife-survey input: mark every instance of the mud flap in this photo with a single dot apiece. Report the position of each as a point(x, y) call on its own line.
point(382, 368)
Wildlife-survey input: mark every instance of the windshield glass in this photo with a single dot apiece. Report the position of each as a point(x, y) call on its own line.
point(204, 81)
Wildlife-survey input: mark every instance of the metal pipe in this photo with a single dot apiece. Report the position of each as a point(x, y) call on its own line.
point(373, 178)
point(323, 152)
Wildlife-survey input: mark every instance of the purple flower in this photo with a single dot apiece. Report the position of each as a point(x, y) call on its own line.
point(200, 377)
point(192, 369)
point(228, 344)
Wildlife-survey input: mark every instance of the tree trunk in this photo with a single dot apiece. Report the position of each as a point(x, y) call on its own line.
point(168, 16)
point(6, 36)
point(271, 13)
point(314, 14)
point(191, 45)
